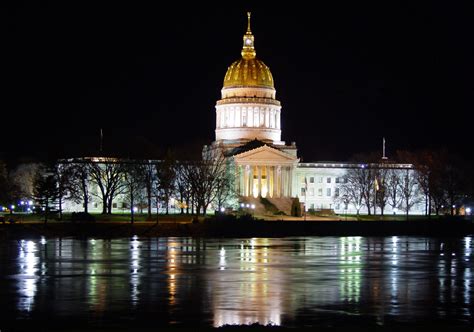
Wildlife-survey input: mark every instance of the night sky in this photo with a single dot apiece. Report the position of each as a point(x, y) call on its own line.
point(346, 75)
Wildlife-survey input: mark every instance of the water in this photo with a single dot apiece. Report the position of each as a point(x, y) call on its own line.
point(304, 281)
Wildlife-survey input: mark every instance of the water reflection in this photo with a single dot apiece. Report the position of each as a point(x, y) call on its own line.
point(350, 268)
point(244, 291)
point(286, 281)
point(28, 268)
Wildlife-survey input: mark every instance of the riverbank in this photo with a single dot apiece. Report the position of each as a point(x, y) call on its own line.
point(238, 228)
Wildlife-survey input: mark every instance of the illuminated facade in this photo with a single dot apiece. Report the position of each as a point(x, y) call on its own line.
point(248, 131)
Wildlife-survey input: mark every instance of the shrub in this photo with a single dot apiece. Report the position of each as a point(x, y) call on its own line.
point(296, 207)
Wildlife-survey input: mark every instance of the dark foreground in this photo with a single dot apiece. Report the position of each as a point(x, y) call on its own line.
point(239, 228)
point(351, 283)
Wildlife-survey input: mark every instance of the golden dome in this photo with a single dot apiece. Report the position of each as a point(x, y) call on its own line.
point(248, 71)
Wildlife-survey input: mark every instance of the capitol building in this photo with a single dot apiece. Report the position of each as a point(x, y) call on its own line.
point(248, 132)
point(267, 170)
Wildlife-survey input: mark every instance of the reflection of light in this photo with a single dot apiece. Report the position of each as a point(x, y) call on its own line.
point(43, 240)
point(28, 268)
point(172, 271)
point(350, 270)
point(256, 297)
point(135, 264)
point(222, 262)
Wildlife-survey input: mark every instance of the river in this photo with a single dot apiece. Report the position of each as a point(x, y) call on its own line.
point(292, 282)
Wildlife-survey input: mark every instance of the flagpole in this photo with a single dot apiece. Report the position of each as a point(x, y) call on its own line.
point(305, 195)
point(101, 139)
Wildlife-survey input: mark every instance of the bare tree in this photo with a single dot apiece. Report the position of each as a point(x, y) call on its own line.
point(149, 173)
point(80, 183)
point(203, 177)
point(409, 190)
point(392, 187)
point(107, 174)
point(183, 188)
point(134, 178)
point(63, 172)
point(361, 182)
point(166, 174)
point(381, 192)
point(10, 191)
point(350, 192)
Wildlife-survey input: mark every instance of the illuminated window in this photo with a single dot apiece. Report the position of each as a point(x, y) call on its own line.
point(311, 191)
point(320, 179)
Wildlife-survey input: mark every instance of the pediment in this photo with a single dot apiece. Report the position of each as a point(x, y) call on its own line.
point(265, 155)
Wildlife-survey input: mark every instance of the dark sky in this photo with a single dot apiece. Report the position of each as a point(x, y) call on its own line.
point(346, 74)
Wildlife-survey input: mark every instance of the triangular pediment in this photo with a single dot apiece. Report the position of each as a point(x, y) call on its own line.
point(265, 155)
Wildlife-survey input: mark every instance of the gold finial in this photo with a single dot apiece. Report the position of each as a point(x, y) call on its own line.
point(248, 51)
point(248, 24)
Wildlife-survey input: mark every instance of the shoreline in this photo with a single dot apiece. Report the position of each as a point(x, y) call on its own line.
point(238, 228)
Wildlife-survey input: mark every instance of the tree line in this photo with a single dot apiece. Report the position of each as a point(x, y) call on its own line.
point(438, 180)
point(142, 184)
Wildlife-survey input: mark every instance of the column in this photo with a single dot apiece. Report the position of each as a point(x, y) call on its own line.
point(270, 181)
point(267, 181)
point(282, 188)
point(290, 181)
point(238, 121)
point(241, 180)
point(275, 182)
point(251, 181)
point(259, 170)
point(278, 181)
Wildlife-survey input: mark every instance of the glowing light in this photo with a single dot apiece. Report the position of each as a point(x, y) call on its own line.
point(12, 207)
point(135, 209)
point(222, 209)
point(468, 210)
point(242, 205)
point(253, 206)
point(30, 202)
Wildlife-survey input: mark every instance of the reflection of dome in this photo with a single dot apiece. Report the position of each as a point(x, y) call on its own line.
point(248, 72)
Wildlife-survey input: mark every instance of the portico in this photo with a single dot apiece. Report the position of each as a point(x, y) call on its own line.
point(265, 172)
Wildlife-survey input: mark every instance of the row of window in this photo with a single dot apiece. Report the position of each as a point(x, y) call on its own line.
point(320, 192)
point(328, 179)
point(337, 206)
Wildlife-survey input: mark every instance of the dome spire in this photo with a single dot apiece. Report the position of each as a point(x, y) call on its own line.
point(248, 24)
point(248, 50)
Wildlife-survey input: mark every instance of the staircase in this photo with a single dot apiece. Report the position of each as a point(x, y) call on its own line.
point(268, 206)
